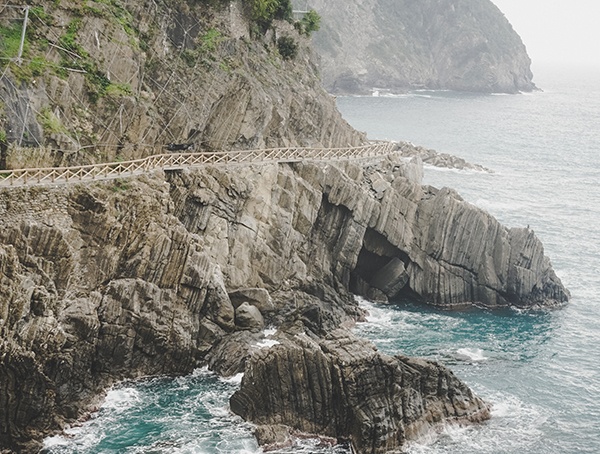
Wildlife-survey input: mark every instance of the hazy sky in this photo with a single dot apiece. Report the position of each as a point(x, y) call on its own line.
point(556, 31)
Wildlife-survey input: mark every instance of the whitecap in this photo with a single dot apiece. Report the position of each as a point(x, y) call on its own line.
point(470, 354)
point(234, 379)
point(120, 399)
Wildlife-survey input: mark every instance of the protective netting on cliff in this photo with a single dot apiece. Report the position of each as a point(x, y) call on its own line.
point(95, 78)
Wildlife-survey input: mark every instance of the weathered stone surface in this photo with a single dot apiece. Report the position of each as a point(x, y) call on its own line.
point(258, 297)
point(116, 280)
point(343, 388)
point(249, 317)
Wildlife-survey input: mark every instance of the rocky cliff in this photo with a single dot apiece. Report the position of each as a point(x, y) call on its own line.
point(395, 45)
point(169, 271)
point(111, 80)
point(162, 273)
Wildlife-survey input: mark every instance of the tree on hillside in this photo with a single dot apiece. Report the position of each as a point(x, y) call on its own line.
point(311, 22)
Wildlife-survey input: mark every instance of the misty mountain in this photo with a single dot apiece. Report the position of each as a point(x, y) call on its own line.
point(465, 45)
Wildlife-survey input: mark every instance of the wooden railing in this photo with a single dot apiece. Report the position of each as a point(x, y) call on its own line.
point(172, 161)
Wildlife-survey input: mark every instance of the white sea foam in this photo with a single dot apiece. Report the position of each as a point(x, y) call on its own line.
point(55, 441)
point(267, 343)
point(234, 379)
point(427, 166)
point(83, 438)
point(201, 372)
point(513, 428)
point(375, 314)
point(120, 399)
point(470, 354)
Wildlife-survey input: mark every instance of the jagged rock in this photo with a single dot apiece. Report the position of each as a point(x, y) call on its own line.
point(229, 355)
point(444, 160)
point(343, 388)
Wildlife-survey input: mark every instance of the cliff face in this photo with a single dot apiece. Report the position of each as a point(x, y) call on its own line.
point(102, 81)
point(147, 275)
point(465, 45)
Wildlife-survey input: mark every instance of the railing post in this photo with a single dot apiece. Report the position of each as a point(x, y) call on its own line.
point(23, 35)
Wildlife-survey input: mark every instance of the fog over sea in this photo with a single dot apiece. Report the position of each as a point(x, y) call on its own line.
point(540, 370)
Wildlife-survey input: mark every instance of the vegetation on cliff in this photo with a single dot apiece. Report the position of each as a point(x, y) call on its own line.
point(107, 79)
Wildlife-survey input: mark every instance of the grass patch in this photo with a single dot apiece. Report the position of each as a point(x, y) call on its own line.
point(38, 12)
point(210, 40)
point(50, 122)
point(10, 42)
point(118, 90)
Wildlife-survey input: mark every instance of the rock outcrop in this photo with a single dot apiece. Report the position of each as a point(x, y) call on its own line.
point(398, 45)
point(443, 160)
point(341, 387)
point(158, 274)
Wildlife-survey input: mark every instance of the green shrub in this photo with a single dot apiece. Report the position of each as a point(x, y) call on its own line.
point(265, 11)
point(311, 22)
point(284, 10)
point(287, 47)
point(210, 40)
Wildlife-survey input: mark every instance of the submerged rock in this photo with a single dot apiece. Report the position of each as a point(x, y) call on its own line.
point(343, 388)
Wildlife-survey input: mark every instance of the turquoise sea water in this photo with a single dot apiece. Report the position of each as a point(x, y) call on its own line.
point(540, 370)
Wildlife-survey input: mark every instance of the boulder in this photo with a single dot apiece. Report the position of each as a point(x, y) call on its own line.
point(342, 387)
point(249, 317)
point(391, 278)
point(258, 297)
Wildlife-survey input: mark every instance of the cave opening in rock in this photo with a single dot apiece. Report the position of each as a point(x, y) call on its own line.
point(381, 269)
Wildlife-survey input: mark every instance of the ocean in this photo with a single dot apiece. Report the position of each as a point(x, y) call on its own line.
point(539, 369)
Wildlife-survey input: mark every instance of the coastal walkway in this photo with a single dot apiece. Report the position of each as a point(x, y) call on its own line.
point(175, 161)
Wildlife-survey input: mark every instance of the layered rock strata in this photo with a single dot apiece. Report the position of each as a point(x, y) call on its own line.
point(341, 387)
point(157, 274)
